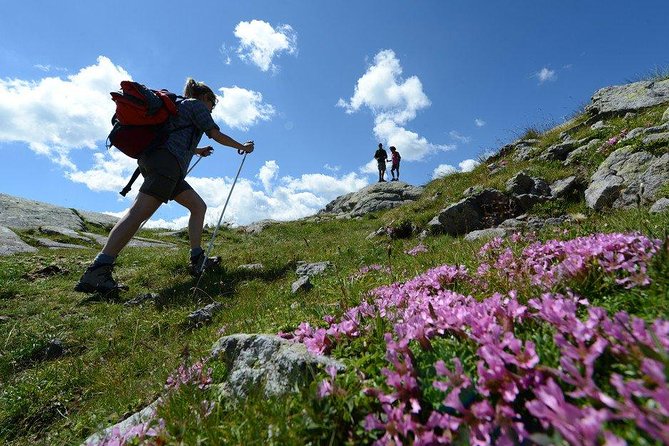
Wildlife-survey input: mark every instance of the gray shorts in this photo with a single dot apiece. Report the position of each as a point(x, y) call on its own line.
point(162, 175)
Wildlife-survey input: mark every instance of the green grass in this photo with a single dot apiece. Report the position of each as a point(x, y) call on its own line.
point(116, 358)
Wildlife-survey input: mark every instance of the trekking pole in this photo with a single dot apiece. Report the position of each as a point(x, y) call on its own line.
point(213, 236)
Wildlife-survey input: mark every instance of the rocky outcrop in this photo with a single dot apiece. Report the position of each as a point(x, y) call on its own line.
point(630, 97)
point(627, 179)
point(20, 213)
point(16, 212)
point(10, 243)
point(481, 210)
point(376, 197)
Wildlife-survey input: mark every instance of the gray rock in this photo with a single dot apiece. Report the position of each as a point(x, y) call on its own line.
point(57, 230)
point(17, 212)
point(251, 267)
point(522, 183)
point(655, 138)
point(581, 150)
point(205, 314)
point(22, 213)
point(527, 201)
point(661, 205)
point(564, 187)
point(311, 269)
point(629, 97)
point(143, 416)
point(98, 219)
point(482, 210)
point(634, 133)
point(10, 243)
point(524, 152)
point(372, 198)
point(560, 151)
point(257, 227)
point(627, 178)
point(135, 242)
point(267, 365)
point(486, 234)
point(525, 222)
point(599, 125)
point(141, 298)
point(58, 245)
point(301, 284)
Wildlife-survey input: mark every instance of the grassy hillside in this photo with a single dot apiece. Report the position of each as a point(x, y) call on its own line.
point(70, 366)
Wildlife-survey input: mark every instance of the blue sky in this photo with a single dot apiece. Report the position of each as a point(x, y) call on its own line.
point(316, 84)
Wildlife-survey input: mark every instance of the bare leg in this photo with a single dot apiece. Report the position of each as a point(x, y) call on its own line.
point(142, 209)
point(197, 207)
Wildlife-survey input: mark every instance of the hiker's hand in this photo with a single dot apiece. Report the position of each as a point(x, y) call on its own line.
point(204, 151)
point(248, 147)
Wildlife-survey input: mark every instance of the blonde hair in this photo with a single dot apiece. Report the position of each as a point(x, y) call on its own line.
point(198, 90)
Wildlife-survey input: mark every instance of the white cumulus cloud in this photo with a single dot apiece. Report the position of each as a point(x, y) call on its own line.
point(54, 116)
point(260, 43)
point(240, 108)
point(446, 169)
point(442, 170)
point(283, 198)
point(394, 101)
point(468, 165)
point(479, 122)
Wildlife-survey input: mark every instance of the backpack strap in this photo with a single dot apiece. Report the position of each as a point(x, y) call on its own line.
point(128, 186)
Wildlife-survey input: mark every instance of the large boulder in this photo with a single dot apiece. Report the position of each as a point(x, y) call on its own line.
point(372, 198)
point(481, 210)
point(630, 97)
point(627, 178)
point(266, 364)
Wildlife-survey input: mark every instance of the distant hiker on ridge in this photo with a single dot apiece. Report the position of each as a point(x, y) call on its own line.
point(381, 157)
point(164, 169)
point(395, 167)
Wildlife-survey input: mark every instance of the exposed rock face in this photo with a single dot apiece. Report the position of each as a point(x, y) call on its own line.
point(479, 211)
point(11, 243)
point(618, 181)
point(16, 212)
point(661, 205)
point(376, 197)
point(267, 364)
point(624, 98)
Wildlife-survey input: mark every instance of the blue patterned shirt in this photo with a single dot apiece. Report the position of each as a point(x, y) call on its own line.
point(187, 128)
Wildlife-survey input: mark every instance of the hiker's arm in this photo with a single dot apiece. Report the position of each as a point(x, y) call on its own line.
point(225, 140)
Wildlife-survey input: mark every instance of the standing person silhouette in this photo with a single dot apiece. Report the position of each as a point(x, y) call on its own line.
point(395, 167)
point(164, 169)
point(381, 157)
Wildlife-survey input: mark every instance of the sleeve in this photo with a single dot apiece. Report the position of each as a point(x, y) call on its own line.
point(201, 117)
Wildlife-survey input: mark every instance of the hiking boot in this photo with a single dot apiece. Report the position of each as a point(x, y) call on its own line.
point(196, 263)
point(98, 279)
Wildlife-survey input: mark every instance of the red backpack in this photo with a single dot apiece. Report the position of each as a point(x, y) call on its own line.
point(141, 120)
point(141, 117)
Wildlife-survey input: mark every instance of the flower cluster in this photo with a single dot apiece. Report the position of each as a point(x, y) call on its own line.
point(363, 271)
point(416, 249)
point(622, 256)
point(137, 434)
point(195, 374)
point(513, 395)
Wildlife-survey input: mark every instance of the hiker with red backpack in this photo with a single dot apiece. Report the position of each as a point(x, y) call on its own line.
point(163, 163)
point(395, 166)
